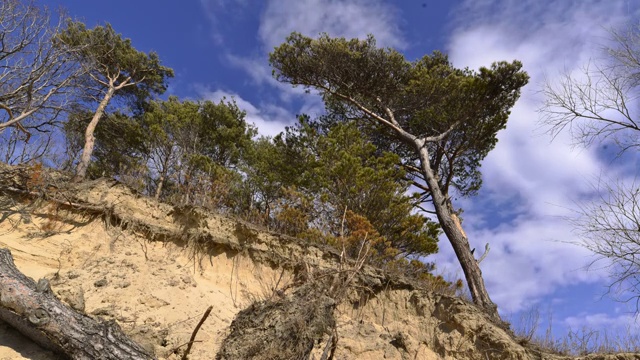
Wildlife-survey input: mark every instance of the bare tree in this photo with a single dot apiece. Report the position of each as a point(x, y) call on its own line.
point(35, 74)
point(610, 228)
point(14, 151)
point(600, 104)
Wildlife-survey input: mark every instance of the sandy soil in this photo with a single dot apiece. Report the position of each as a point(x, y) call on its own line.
point(156, 291)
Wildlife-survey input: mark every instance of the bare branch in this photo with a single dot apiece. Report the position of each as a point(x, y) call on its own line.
point(391, 122)
point(593, 104)
point(486, 252)
point(609, 226)
point(596, 104)
point(35, 75)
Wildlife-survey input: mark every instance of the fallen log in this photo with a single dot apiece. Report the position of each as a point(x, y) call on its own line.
point(34, 310)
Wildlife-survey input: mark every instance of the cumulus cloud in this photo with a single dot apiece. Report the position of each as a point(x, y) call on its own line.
point(351, 19)
point(348, 18)
point(615, 324)
point(270, 119)
point(532, 181)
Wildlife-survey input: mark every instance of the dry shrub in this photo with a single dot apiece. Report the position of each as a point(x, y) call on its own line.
point(356, 231)
point(255, 216)
point(134, 176)
point(583, 341)
point(53, 221)
point(36, 177)
point(218, 191)
point(422, 275)
point(271, 284)
point(293, 213)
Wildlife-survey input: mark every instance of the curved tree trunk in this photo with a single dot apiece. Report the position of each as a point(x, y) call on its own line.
point(442, 204)
point(89, 137)
point(33, 310)
point(457, 238)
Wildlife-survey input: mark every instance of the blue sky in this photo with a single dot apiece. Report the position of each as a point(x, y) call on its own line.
point(219, 48)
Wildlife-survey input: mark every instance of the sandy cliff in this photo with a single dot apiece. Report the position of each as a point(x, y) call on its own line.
point(155, 268)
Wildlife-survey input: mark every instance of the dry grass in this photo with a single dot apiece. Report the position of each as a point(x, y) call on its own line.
point(582, 341)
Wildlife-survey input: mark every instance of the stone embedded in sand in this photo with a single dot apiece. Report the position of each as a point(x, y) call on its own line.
point(73, 296)
point(104, 311)
point(101, 283)
point(152, 301)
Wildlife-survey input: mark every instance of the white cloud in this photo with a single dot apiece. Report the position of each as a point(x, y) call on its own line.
point(348, 18)
point(260, 73)
point(613, 323)
point(216, 10)
point(270, 119)
point(256, 68)
point(531, 180)
point(531, 255)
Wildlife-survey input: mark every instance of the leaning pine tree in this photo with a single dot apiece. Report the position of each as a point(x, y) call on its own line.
point(113, 67)
point(441, 120)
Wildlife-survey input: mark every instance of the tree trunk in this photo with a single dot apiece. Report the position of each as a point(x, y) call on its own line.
point(89, 137)
point(33, 310)
point(163, 175)
point(458, 239)
point(159, 188)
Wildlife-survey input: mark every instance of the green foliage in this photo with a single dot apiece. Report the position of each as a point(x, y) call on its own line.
point(225, 132)
point(458, 111)
point(112, 67)
point(306, 178)
point(478, 101)
point(351, 175)
point(441, 121)
point(109, 60)
point(336, 65)
point(181, 151)
point(302, 182)
point(193, 147)
point(119, 145)
point(266, 168)
point(273, 164)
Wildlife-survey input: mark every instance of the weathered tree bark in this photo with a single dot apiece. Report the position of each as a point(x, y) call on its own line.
point(163, 175)
point(33, 310)
point(441, 203)
point(89, 137)
point(159, 188)
point(457, 238)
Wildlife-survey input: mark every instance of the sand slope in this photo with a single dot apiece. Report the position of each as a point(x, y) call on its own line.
point(155, 269)
point(156, 291)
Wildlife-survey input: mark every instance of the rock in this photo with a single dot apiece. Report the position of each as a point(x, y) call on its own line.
point(103, 311)
point(73, 296)
point(152, 301)
point(100, 283)
point(124, 284)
